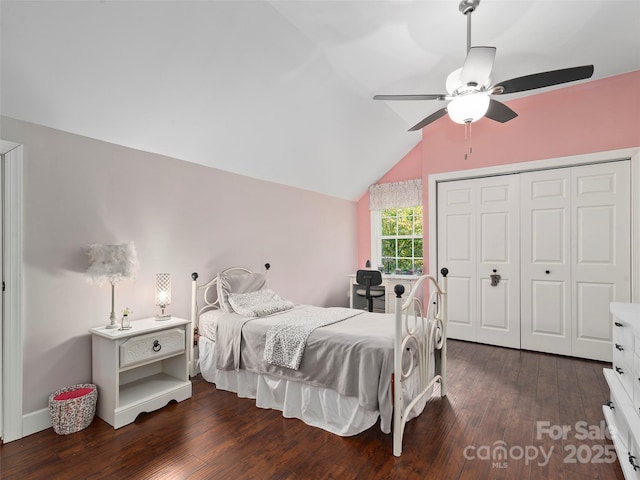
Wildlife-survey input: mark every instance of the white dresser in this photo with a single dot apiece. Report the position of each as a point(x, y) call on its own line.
point(623, 411)
point(389, 281)
point(140, 369)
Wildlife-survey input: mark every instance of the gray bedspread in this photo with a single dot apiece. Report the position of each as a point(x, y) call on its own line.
point(353, 356)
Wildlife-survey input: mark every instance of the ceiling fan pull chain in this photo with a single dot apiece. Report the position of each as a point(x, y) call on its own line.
point(467, 140)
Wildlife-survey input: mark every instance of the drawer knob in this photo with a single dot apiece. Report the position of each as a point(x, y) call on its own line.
point(632, 461)
point(156, 346)
point(617, 324)
point(610, 405)
point(619, 347)
point(619, 370)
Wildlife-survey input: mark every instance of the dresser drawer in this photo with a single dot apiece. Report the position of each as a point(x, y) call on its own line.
point(631, 464)
point(151, 346)
point(623, 354)
point(623, 338)
point(626, 377)
point(620, 424)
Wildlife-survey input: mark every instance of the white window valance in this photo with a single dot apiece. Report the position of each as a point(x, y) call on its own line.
point(395, 195)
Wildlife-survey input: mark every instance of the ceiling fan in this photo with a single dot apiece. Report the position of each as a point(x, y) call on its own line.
point(469, 88)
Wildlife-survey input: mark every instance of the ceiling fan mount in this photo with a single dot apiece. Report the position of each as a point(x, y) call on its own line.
point(469, 88)
point(468, 6)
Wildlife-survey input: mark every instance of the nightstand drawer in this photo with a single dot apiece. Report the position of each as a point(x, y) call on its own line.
point(151, 346)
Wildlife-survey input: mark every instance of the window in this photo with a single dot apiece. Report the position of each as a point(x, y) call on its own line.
point(398, 246)
point(396, 226)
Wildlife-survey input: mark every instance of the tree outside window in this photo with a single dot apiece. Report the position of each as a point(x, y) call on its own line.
point(402, 240)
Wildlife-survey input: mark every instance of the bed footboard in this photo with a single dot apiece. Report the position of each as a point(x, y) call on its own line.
point(425, 328)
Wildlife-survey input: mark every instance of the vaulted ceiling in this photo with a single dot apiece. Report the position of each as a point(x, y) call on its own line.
point(281, 90)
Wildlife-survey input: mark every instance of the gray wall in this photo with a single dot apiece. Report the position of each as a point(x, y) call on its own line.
point(182, 217)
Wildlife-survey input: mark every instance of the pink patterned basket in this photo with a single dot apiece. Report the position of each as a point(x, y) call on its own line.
point(72, 408)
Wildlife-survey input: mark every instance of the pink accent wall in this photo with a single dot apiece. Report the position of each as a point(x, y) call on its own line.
point(590, 117)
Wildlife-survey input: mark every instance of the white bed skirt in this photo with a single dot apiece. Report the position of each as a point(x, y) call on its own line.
point(319, 407)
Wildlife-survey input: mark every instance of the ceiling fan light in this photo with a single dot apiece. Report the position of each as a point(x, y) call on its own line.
point(468, 108)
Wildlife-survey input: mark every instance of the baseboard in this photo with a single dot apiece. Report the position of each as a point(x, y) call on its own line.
point(35, 422)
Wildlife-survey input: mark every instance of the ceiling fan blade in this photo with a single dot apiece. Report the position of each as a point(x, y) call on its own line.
point(431, 118)
point(499, 112)
point(478, 65)
point(544, 79)
point(410, 97)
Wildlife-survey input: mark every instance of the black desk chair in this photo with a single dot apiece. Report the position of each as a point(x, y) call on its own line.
point(367, 279)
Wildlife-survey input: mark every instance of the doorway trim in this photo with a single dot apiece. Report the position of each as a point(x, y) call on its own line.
point(633, 154)
point(12, 363)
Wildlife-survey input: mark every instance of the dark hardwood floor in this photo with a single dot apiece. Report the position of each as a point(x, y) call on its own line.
point(496, 397)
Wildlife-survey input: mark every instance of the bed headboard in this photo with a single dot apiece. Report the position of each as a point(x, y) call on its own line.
point(205, 297)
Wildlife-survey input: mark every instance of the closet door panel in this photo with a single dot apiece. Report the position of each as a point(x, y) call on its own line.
point(545, 261)
point(601, 254)
point(457, 250)
point(460, 314)
point(494, 306)
point(498, 208)
point(548, 312)
point(592, 300)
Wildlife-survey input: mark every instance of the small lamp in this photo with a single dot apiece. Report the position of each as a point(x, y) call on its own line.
point(112, 263)
point(163, 294)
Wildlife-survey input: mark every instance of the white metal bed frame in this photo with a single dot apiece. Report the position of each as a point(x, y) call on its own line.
point(424, 327)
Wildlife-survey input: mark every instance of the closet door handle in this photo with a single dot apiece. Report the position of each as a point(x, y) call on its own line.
point(617, 324)
point(619, 370)
point(619, 347)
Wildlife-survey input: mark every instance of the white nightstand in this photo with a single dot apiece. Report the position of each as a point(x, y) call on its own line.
point(140, 369)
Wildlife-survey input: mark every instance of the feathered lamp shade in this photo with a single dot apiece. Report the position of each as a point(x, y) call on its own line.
point(112, 263)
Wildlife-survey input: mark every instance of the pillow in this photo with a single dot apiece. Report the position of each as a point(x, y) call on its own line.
point(243, 283)
point(259, 304)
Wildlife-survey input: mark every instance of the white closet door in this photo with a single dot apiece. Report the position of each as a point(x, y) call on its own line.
point(546, 261)
point(498, 247)
point(601, 253)
point(457, 251)
point(559, 239)
point(478, 233)
point(575, 257)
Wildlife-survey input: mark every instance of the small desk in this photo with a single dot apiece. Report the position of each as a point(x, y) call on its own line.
point(389, 281)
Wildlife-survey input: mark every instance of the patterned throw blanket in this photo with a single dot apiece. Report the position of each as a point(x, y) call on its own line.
point(285, 342)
